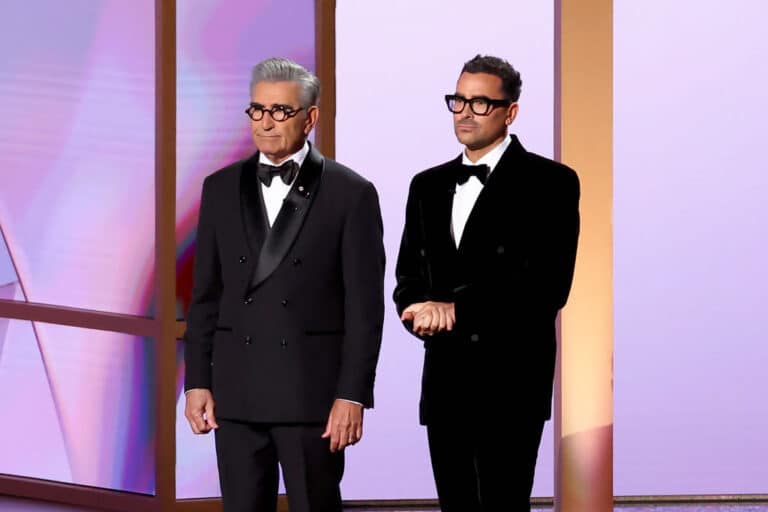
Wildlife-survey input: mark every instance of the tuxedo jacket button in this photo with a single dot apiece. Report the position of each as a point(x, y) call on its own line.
point(243, 259)
point(500, 250)
point(474, 338)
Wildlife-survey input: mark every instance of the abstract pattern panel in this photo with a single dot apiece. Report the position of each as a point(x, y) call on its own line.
point(218, 44)
point(81, 405)
point(77, 152)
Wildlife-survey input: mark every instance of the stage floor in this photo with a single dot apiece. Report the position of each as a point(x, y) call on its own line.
point(8, 504)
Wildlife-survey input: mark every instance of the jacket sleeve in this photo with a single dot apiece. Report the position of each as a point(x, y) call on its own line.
point(363, 261)
point(206, 294)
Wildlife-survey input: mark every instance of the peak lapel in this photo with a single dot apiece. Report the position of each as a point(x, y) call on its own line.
point(497, 191)
point(290, 218)
point(254, 215)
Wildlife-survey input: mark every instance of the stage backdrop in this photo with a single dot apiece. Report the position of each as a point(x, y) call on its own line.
point(77, 222)
point(691, 244)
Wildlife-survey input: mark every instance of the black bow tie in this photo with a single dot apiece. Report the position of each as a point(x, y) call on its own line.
point(481, 172)
point(287, 172)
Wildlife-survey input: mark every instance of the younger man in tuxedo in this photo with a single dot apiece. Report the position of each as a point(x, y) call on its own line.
point(485, 264)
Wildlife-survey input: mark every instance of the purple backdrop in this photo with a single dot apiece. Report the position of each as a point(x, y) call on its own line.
point(691, 284)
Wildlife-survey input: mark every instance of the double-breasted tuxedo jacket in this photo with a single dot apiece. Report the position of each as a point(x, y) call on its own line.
point(284, 320)
point(508, 278)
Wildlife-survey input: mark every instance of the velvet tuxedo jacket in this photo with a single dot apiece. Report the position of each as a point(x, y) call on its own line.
point(508, 278)
point(284, 320)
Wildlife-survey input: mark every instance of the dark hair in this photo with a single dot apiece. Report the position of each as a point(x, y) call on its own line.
point(510, 79)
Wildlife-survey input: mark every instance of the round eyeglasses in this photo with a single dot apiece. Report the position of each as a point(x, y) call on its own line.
point(278, 112)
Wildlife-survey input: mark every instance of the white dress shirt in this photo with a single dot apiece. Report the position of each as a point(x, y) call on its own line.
point(277, 191)
point(467, 193)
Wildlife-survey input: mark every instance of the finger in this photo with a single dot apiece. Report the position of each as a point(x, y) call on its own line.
point(335, 441)
point(415, 307)
point(209, 414)
point(418, 323)
point(192, 426)
point(327, 432)
point(199, 422)
point(407, 316)
point(435, 321)
point(443, 320)
point(425, 320)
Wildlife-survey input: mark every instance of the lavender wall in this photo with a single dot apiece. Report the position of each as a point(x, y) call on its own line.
point(409, 54)
point(691, 284)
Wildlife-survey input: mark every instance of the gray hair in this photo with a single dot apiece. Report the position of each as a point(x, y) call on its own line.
point(284, 70)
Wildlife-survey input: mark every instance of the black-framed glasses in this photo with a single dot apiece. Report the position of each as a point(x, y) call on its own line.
point(480, 105)
point(278, 112)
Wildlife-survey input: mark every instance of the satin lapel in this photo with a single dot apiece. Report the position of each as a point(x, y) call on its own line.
point(290, 218)
point(254, 217)
point(497, 191)
point(439, 213)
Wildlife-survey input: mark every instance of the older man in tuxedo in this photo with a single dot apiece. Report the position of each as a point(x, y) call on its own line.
point(485, 264)
point(284, 326)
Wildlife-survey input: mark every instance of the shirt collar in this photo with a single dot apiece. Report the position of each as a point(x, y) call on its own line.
point(297, 157)
point(491, 158)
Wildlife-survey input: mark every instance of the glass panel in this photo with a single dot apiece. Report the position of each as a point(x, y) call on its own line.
point(81, 403)
point(77, 152)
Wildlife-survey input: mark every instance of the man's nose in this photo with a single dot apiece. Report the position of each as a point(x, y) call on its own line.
point(267, 123)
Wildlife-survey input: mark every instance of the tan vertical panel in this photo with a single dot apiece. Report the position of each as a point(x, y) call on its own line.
point(165, 253)
point(325, 65)
point(584, 139)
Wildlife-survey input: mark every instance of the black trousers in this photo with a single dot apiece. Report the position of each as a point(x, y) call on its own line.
point(248, 455)
point(484, 468)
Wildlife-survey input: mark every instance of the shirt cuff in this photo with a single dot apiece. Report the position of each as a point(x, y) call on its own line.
point(352, 402)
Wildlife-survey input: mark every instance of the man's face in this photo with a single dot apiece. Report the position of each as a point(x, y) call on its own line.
point(280, 139)
point(476, 131)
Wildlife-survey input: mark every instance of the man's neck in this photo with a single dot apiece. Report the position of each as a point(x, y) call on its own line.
point(281, 157)
point(476, 154)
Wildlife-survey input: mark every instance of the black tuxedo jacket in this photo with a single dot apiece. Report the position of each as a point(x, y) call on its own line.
point(285, 320)
point(508, 278)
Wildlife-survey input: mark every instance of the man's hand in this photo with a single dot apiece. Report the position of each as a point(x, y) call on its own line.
point(345, 424)
point(430, 317)
point(199, 411)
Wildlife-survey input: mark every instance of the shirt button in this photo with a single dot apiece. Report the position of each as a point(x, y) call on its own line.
point(474, 337)
point(284, 302)
point(249, 300)
point(283, 343)
point(243, 259)
point(247, 340)
point(296, 261)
